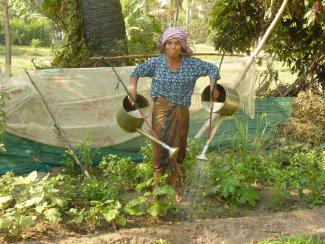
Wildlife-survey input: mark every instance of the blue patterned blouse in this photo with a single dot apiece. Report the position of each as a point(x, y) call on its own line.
point(176, 86)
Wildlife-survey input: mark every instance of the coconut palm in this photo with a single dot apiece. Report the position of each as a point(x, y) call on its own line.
point(104, 27)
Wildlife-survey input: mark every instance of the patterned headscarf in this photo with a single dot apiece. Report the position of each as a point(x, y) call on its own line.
point(175, 32)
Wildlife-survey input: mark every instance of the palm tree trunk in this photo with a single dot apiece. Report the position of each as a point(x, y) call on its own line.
point(104, 27)
point(6, 27)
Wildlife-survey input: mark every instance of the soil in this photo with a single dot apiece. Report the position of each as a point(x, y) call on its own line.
point(244, 225)
point(250, 229)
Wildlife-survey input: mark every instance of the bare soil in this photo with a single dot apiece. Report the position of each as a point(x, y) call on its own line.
point(216, 225)
point(249, 229)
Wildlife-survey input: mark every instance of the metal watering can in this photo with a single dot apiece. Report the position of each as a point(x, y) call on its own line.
point(226, 104)
point(131, 117)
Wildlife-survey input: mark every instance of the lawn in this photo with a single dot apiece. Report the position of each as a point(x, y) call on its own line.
point(22, 57)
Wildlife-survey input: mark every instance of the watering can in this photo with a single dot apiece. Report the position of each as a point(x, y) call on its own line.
point(226, 104)
point(131, 117)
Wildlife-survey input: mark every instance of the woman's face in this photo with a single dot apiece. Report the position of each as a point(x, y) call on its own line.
point(173, 48)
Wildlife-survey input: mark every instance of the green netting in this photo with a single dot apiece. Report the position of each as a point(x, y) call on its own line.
point(23, 155)
point(269, 112)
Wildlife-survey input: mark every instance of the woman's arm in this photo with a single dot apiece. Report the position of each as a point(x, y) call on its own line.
point(214, 93)
point(145, 69)
point(209, 69)
point(133, 88)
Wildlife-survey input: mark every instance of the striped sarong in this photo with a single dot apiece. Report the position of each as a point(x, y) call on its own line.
point(170, 122)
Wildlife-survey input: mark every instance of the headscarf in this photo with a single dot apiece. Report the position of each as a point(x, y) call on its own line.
point(175, 32)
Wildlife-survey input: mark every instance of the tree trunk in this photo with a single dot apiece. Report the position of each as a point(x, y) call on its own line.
point(104, 27)
point(7, 37)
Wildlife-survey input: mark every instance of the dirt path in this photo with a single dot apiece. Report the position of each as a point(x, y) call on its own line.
point(225, 230)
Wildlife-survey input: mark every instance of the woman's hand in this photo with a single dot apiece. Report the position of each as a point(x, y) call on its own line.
point(214, 94)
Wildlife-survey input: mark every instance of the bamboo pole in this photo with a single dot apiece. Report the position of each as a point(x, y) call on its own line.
point(155, 55)
point(59, 129)
point(264, 39)
point(6, 27)
point(253, 56)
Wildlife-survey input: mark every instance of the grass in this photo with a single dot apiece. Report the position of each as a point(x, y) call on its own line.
point(22, 57)
point(301, 239)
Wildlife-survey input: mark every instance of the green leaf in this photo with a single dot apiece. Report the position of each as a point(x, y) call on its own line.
point(40, 208)
point(78, 216)
point(4, 200)
point(156, 209)
point(53, 215)
point(21, 180)
point(110, 215)
point(78, 219)
point(120, 220)
point(58, 201)
point(26, 221)
point(164, 190)
point(5, 223)
point(144, 185)
point(32, 176)
point(136, 202)
point(36, 199)
point(249, 196)
point(136, 210)
point(228, 186)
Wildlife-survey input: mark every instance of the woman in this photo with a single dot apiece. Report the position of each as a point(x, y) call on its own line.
point(173, 80)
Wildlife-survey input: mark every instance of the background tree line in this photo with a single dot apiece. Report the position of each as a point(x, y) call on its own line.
point(118, 27)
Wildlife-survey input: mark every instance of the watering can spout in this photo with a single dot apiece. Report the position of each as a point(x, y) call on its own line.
point(202, 157)
point(173, 151)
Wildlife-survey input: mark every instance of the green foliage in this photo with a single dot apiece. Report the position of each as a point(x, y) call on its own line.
point(143, 28)
point(3, 99)
point(156, 203)
point(236, 24)
point(145, 169)
point(85, 153)
point(120, 170)
point(108, 211)
point(23, 32)
point(66, 15)
point(233, 178)
point(300, 239)
point(35, 43)
point(23, 202)
point(107, 197)
point(298, 40)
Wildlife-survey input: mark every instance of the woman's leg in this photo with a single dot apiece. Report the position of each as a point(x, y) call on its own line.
point(178, 138)
point(160, 118)
point(170, 123)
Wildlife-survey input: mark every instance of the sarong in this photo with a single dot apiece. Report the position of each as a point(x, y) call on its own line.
point(170, 122)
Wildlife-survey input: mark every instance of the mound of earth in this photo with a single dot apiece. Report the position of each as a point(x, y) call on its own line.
point(249, 229)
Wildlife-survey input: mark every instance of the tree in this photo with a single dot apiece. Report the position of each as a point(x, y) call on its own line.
point(6, 27)
point(143, 28)
point(298, 40)
point(104, 27)
point(90, 28)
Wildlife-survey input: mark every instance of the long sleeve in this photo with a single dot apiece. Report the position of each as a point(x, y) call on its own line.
point(145, 69)
point(206, 69)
